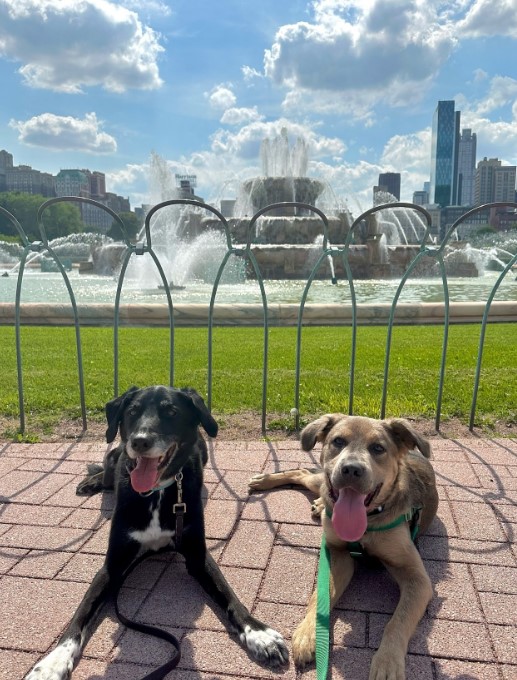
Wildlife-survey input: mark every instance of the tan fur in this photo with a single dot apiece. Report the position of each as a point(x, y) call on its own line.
point(384, 452)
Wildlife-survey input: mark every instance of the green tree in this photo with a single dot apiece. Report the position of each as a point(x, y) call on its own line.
point(132, 226)
point(60, 219)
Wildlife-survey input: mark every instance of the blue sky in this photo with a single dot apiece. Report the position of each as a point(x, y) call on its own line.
point(101, 85)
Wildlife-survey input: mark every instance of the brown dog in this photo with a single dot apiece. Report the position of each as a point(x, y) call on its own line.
point(377, 490)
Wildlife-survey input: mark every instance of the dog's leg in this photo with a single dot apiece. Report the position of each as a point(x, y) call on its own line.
point(100, 477)
point(406, 567)
point(304, 637)
point(301, 477)
point(58, 664)
point(264, 644)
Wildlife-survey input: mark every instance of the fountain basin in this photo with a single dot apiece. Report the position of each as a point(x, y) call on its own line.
point(156, 315)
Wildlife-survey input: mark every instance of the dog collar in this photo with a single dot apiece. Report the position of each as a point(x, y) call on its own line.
point(161, 487)
point(412, 516)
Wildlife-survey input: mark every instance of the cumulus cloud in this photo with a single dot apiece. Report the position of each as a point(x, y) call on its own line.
point(502, 91)
point(66, 45)
point(244, 144)
point(487, 18)
point(240, 116)
point(373, 51)
point(353, 55)
point(221, 97)
point(65, 133)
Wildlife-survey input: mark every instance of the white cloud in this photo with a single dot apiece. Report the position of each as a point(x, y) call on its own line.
point(503, 90)
point(66, 45)
point(357, 53)
point(249, 74)
point(65, 133)
point(221, 97)
point(488, 18)
point(240, 116)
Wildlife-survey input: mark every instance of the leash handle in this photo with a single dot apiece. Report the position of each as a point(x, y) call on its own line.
point(161, 672)
point(323, 612)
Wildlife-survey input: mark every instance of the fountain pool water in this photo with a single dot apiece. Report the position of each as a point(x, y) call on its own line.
point(49, 287)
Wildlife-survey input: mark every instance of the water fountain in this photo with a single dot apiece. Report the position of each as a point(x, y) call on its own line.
point(286, 242)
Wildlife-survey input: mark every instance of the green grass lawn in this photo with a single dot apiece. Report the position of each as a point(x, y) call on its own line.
point(52, 394)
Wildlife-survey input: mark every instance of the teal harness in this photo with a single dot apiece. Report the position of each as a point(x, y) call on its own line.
point(323, 585)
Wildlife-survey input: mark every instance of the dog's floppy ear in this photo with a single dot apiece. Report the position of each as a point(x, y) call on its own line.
point(318, 430)
point(205, 417)
point(115, 410)
point(404, 433)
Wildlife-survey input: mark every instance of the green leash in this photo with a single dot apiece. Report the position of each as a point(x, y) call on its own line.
point(323, 612)
point(323, 588)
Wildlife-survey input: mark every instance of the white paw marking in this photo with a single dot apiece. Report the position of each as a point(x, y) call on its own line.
point(266, 645)
point(58, 664)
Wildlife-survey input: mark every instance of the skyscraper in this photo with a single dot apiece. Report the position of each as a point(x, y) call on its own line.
point(391, 180)
point(466, 167)
point(444, 154)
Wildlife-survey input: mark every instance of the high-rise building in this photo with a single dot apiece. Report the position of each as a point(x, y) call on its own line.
point(390, 182)
point(466, 167)
point(420, 197)
point(494, 182)
point(444, 154)
point(504, 184)
point(24, 179)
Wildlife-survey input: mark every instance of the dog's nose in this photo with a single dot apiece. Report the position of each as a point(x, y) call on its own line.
point(141, 443)
point(352, 470)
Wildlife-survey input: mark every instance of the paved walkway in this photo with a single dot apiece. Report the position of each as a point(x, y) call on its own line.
point(52, 542)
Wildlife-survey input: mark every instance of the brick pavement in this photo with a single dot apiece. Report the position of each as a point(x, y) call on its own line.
point(52, 542)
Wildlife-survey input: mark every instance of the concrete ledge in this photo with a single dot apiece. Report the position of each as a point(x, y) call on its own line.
point(43, 314)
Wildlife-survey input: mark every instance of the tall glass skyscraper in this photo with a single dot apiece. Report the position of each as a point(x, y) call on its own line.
point(444, 154)
point(466, 167)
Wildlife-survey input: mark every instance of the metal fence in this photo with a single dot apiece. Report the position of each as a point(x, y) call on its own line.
point(426, 249)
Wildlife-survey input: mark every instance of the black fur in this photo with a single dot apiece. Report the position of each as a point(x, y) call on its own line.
point(162, 419)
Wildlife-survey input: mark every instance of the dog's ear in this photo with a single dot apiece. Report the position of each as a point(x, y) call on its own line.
point(404, 433)
point(205, 417)
point(115, 410)
point(318, 430)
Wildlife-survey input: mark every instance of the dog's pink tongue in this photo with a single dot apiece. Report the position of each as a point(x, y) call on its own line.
point(145, 475)
point(349, 517)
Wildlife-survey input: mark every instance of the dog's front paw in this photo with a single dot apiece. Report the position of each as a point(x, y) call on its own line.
point(317, 507)
point(265, 644)
point(304, 643)
point(257, 482)
point(388, 665)
point(57, 665)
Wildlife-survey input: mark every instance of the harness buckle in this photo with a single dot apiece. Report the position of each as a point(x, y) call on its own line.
point(179, 508)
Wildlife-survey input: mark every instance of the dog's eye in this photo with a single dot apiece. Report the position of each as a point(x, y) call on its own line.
point(170, 410)
point(376, 448)
point(340, 442)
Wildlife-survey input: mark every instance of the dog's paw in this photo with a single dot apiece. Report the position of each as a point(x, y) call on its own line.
point(304, 643)
point(90, 485)
point(256, 483)
point(57, 665)
point(266, 645)
point(388, 665)
point(317, 508)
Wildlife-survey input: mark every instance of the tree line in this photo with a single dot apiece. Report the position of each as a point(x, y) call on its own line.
point(59, 219)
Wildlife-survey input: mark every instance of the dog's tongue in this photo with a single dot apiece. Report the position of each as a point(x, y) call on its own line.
point(145, 475)
point(349, 517)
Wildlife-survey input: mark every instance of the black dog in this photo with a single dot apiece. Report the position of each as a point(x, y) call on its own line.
point(157, 473)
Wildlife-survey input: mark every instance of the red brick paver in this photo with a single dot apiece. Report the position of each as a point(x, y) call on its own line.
point(52, 542)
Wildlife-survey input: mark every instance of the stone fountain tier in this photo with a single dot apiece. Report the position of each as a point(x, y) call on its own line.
point(306, 229)
point(264, 191)
point(285, 261)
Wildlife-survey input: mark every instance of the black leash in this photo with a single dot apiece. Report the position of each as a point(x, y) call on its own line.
point(162, 671)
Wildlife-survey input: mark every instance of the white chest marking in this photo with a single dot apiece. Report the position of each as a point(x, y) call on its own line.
point(153, 537)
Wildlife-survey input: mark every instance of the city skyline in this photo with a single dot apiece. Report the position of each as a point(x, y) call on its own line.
point(203, 83)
